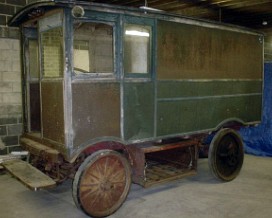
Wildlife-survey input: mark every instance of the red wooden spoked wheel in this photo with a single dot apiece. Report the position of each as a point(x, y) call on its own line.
point(102, 183)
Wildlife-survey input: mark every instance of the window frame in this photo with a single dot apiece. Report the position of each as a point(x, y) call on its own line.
point(41, 30)
point(97, 75)
point(131, 20)
point(61, 76)
point(30, 76)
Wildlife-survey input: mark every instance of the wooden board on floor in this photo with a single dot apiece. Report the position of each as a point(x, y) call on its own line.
point(28, 175)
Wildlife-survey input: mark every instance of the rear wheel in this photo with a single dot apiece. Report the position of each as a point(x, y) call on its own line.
point(226, 154)
point(102, 183)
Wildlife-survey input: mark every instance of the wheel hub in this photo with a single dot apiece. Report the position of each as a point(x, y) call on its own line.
point(106, 185)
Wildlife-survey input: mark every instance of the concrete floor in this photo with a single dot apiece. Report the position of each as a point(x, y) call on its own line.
point(249, 195)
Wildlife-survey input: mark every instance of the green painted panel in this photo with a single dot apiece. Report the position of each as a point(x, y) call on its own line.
point(176, 117)
point(211, 112)
point(197, 52)
point(138, 110)
point(189, 115)
point(101, 16)
point(178, 89)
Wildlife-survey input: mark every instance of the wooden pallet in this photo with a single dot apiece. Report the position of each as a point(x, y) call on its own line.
point(157, 173)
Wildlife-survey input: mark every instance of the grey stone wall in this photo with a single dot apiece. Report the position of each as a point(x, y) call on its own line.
point(10, 92)
point(8, 8)
point(10, 79)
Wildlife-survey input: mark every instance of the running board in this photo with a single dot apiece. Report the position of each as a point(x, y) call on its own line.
point(28, 175)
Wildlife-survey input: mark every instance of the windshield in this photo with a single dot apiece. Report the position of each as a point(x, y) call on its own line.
point(93, 48)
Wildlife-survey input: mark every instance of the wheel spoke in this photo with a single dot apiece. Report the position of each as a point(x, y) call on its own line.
point(108, 199)
point(91, 175)
point(112, 168)
point(95, 198)
point(119, 176)
point(98, 170)
point(86, 193)
point(106, 166)
point(117, 182)
point(90, 185)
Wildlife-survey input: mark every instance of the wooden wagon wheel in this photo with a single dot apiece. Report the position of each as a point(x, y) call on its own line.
point(102, 183)
point(226, 154)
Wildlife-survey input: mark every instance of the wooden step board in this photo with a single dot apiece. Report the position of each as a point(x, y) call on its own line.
point(28, 175)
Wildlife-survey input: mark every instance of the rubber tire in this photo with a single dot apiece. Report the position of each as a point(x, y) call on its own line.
point(223, 166)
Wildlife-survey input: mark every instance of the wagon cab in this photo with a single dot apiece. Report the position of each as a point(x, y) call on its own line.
point(114, 95)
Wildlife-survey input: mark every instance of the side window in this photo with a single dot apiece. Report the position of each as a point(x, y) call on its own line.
point(33, 59)
point(52, 53)
point(93, 48)
point(137, 47)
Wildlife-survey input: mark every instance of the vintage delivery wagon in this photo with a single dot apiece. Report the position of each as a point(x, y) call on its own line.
point(115, 95)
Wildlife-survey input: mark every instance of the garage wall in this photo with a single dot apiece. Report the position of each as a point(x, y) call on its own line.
point(10, 78)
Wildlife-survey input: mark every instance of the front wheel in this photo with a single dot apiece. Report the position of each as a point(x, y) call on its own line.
point(226, 154)
point(102, 183)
